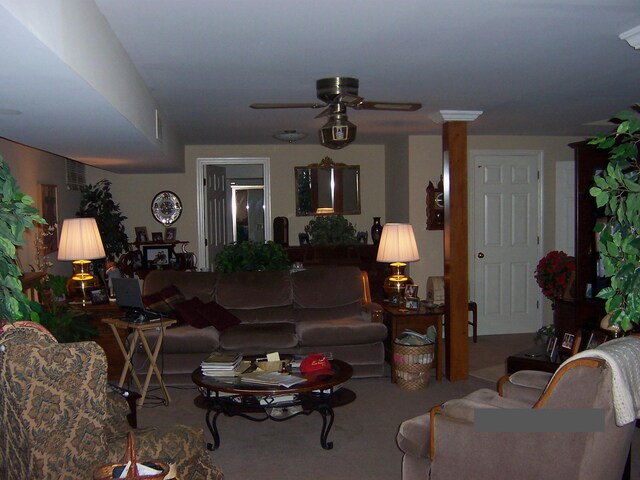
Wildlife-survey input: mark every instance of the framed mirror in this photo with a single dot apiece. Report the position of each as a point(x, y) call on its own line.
point(326, 188)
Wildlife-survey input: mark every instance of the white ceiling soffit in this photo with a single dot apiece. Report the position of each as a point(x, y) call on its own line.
point(79, 99)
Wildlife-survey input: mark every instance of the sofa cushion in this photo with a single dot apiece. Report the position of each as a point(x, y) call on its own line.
point(184, 338)
point(266, 336)
point(191, 284)
point(198, 314)
point(247, 290)
point(344, 331)
point(326, 287)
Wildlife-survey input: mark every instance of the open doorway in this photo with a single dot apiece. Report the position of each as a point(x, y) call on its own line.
point(234, 204)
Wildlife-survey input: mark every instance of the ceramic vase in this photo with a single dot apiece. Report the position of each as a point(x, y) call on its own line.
point(376, 230)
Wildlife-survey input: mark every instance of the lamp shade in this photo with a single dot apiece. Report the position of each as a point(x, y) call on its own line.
point(80, 240)
point(397, 244)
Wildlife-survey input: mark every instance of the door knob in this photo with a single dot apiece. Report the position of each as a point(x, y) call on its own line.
point(480, 255)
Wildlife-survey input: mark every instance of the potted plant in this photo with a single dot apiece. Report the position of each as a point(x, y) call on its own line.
point(617, 189)
point(331, 230)
point(97, 201)
point(16, 216)
point(252, 256)
point(555, 274)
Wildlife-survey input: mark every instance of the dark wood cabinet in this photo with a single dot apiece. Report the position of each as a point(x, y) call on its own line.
point(363, 256)
point(583, 312)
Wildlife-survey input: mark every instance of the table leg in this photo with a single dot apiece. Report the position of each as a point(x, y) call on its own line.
point(153, 368)
point(128, 355)
point(213, 426)
point(326, 411)
point(439, 347)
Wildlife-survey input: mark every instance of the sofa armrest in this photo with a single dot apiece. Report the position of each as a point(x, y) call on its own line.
point(373, 312)
point(524, 385)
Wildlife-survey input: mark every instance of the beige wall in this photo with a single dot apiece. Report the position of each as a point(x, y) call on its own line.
point(393, 186)
point(134, 192)
point(32, 167)
point(425, 163)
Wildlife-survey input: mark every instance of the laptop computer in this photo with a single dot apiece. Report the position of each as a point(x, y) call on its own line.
point(129, 298)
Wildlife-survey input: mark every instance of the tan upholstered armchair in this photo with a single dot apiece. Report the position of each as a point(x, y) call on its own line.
point(445, 443)
point(59, 420)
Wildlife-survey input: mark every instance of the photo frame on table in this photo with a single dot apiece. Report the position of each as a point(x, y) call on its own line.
point(156, 237)
point(596, 338)
point(552, 348)
point(567, 341)
point(141, 234)
point(99, 296)
point(156, 256)
point(411, 291)
point(412, 303)
point(170, 234)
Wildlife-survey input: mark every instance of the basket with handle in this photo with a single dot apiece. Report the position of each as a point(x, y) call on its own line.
point(412, 365)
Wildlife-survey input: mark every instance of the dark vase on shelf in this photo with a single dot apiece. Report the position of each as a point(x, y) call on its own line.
point(376, 230)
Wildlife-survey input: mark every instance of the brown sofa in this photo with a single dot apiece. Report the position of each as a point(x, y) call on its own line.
point(322, 309)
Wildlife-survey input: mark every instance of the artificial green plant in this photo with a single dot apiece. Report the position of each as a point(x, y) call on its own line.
point(16, 216)
point(617, 189)
point(252, 256)
point(331, 230)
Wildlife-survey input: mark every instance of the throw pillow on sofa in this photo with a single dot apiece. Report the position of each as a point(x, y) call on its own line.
point(164, 301)
point(198, 314)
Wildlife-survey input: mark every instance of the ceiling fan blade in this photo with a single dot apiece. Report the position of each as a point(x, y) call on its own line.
point(326, 112)
point(402, 107)
point(286, 105)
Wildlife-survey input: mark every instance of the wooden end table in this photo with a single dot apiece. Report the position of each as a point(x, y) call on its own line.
point(139, 330)
point(397, 321)
point(234, 398)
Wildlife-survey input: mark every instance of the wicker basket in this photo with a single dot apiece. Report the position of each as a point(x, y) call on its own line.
point(412, 365)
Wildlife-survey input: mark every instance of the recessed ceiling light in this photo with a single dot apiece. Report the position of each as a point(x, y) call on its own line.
point(9, 111)
point(289, 136)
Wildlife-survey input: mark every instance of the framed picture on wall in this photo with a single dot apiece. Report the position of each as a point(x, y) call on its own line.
point(49, 208)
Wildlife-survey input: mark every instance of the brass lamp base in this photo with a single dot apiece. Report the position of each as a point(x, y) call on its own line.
point(395, 284)
point(80, 285)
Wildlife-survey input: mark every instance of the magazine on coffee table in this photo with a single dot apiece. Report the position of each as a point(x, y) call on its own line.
point(271, 378)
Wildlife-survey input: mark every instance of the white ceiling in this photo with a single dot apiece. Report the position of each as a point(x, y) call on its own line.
point(534, 67)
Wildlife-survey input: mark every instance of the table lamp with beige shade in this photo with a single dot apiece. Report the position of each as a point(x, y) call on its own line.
point(397, 247)
point(80, 242)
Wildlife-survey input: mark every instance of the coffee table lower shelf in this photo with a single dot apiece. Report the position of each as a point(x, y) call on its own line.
point(317, 394)
point(249, 407)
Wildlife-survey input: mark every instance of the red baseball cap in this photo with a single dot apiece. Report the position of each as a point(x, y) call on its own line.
point(315, 365)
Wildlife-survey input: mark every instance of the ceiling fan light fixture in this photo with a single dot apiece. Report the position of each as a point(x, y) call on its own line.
point(338, 132)
point(289, 136)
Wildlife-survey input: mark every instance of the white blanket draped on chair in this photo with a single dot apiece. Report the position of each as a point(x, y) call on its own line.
point(623, 357)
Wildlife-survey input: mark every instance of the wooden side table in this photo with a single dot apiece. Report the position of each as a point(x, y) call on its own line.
point(398, 321)
point(138, 334)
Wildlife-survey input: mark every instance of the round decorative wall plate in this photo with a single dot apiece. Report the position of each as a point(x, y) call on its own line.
point(166, 207)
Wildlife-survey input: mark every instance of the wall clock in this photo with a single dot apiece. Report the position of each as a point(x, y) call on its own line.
point(166, 207)
point(435, 206)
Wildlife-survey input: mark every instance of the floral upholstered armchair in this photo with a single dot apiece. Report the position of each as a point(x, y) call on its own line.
point(60, 420)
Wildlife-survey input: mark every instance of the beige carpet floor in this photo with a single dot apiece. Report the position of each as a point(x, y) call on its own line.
point(364, 431)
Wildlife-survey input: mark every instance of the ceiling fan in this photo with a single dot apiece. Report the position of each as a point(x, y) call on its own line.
point(338, 93)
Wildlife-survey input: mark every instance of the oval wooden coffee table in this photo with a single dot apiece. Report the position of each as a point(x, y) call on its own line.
point(235, 398)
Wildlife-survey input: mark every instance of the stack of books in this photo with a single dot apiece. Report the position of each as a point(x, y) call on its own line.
point(223, 365)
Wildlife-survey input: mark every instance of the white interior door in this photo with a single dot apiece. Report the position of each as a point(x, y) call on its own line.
point(505, 228)
point(566, 206)
point(216, 212)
